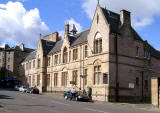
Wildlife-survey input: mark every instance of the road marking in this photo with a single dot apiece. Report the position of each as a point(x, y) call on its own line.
point(56, 102)
point(96, 110)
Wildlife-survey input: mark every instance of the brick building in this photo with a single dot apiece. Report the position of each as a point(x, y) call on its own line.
point(110, 51)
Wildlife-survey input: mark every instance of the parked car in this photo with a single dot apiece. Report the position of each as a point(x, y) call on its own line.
point(78, 97)
point(23, 89)
point(29, 90)
point(17, 87)
point(33, 90)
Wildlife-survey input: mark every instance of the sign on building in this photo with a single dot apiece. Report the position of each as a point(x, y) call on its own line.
point(105, 78)
point(131, 85)
point(72, 82)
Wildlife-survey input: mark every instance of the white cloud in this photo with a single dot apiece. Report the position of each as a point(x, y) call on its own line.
point(2, 45)
point(17, 25)
point(143, 11)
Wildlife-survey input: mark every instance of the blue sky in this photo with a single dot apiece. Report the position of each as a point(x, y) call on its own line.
point(52, 14)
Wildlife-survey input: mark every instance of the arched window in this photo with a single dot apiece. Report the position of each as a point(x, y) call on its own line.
point(65, 55)
point(98, 43)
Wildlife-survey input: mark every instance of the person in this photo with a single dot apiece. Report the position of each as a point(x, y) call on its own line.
point(73, 91)
point(89, 92)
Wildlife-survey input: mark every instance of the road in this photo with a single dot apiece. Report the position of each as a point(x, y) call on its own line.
point(17, 102)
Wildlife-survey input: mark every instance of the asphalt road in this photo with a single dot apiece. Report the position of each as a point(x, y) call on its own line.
point(17, 102)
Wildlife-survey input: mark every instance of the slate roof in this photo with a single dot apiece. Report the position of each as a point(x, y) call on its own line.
point(30, 56)
point(74, 40)
point(80, 38)
point(57, 47)
point(155, 52)
point(113, 19)
point(47, 46)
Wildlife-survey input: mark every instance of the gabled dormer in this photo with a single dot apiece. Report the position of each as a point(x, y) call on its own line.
point(99, 30)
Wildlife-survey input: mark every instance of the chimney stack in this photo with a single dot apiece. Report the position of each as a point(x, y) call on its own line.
point(22, 47)
point(67, 28)
point(125, 17)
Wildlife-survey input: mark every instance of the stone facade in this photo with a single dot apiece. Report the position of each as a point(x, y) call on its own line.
point(114, 52)
point(10, 60)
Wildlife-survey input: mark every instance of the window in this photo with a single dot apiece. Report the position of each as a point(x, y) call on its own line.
point(85, 77)
point(64, 78)
point(74, 77)
point(98, 43)
point(65, 55)
point(97, 18)
point(69, 56)
point(38, 63)
point(38, 80)
point(59, 58)
point(29, 65)
point(49, 61)
point(86, 51)
point(8, 67)
point(137, 81)
point(97, 75)
point(33, 63)
point(55, 59)
point(75, 54)
point(137, 51)
point(146, 54)
point(33, 80)
point(8, 59)
point(48, 80)
point(55, 79)
point(29, 80)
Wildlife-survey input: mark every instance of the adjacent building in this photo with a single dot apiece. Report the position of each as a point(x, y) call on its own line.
point(110, 57)
point(10, 60)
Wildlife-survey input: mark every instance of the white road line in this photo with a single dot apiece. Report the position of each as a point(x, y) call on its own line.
point(96, 110)
point(56, 102)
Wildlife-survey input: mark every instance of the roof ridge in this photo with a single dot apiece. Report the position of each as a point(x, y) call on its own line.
point(82, 32)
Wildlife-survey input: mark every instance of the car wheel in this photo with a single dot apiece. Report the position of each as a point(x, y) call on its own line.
point(66, 97)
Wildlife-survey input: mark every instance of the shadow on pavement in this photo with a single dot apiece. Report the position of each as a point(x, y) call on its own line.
point(5, 97)
point(1, 106)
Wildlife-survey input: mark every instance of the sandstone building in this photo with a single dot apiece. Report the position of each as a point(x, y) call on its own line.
point(110, 57)
point(10, 60)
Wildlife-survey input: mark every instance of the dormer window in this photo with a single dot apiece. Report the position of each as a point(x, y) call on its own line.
point(98, 43)
point(65, 55)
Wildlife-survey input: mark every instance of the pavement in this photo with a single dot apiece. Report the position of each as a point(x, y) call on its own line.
point(18, 102)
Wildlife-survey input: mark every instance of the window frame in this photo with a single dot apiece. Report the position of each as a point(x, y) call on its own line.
point(97, 75)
